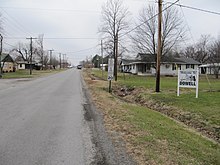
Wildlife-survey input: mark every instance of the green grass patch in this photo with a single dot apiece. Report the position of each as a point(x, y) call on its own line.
point(201, 113)
point(26, 73)
point(159, 138)
point(168, 142)
point(207, 106)
point(206, 83)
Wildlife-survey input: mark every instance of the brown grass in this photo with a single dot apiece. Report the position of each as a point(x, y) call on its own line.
point(120, 130)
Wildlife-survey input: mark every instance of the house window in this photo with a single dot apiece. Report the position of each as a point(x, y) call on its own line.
point(167, 66)
point(187, 66)
point(179, 66)
point(20, 65)
point(192, 66)
point(133, 66)
point(148, 66)
point(173, 66)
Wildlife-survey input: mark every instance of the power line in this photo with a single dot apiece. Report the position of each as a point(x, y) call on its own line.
point(198, 9)
point(46, 9)
point(82, 50)
point(59, 38)
point(21, 27)
point(11, 23)
point(70, 38)
point(8, 44)
point(149, 19)
point(187, 26)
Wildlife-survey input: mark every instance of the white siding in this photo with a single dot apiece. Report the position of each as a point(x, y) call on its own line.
point(167, 69)
point(21, 66)
point(134, 68)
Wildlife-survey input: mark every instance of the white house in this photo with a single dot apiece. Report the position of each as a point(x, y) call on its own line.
point(145, 64)
point(21, 65)
point(211, 68)
point(7, 63)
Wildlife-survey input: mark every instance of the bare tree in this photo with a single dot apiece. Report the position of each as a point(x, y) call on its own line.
point(202, 49)
point(190, 51)
point(55, 62)
point(46, 59)
point(1, 23)
point(114, 25)
point(22, 52)
point(145, 35)
point(39, 50)
point(214, 57)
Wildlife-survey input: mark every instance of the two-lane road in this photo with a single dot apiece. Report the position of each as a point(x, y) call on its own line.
point(41, 122)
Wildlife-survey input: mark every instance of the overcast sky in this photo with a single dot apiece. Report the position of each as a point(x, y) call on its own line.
point(71, 26)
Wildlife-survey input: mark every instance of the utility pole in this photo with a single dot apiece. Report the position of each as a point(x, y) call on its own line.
point(102, 57)
point(116, 57)
point(1, 38)
point(31, 39)
point(51, 50)
point(159, 46)
point(63, 60)
point(42, 49)
point(60, 59)
point(64, 64)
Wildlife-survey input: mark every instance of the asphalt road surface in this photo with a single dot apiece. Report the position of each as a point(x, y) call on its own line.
point(50, 121)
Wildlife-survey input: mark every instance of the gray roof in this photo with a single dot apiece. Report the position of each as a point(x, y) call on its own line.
point(6, 58)
point(150, 58)
point(185, 60)
point(128, 61)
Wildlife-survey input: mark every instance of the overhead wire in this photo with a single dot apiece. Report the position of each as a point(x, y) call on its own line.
point(59, 38)
point(187, 25)
point(4, 20)
point(194, 8)
point(17, 23)
point(6, 43)
point(46, 9)
point(198, 9)
point(171, 4)
point(83, 50)
point(149, 19)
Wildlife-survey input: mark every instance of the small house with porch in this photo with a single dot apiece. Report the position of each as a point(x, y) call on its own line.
point(145, 64)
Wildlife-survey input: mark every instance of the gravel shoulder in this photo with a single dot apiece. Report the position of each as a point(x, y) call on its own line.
point(108, 151)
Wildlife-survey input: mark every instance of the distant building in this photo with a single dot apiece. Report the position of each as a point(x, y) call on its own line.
point(210, 68)
point(21, 65)
point(7, 63)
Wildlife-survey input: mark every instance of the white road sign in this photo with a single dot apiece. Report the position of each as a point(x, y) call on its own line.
point(110, 69)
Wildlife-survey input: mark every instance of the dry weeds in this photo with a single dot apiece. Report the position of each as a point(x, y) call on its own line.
point(120, 130)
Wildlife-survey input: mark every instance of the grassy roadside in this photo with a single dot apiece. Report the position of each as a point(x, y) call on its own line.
point(202, 113)
point(26, 73)
point(151, 137)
